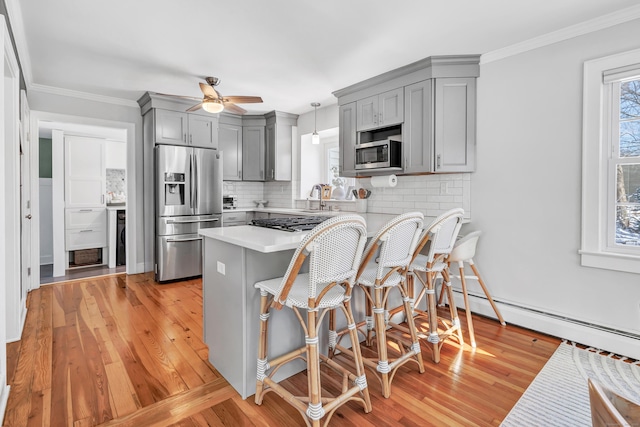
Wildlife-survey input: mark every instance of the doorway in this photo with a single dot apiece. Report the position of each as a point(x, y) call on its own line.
point(58, 260)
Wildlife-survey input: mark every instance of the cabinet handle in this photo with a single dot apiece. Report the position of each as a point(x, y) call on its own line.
point(272, 174)
point(438, 161)
point(381, 120)
point(102, 199)
point(86, 231)
point(85, 210)
point(190, 139)
point(240, 173)
point(184, 137)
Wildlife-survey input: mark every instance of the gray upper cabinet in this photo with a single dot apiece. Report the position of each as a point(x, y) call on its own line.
point(253, 148)
point(418, 127)
point(230, 143)
point(347, 138)
point(385, 109)
point(278, 141)
point(171, 127)
point(435, 103)
point(455, 124)
point(178, 128)
point(203, 131)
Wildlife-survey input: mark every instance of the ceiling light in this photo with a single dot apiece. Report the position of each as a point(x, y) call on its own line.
point(315, 138)
point(212, 106)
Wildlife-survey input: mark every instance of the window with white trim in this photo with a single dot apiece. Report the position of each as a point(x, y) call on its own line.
point(611, 163)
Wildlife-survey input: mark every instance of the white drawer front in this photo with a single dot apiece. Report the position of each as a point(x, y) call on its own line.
point(85, 239)
point(86, 218)
point(235, 218)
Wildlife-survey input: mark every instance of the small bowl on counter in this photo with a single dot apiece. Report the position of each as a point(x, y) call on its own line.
point(260, 204)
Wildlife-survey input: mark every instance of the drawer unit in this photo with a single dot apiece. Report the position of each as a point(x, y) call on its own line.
point(230, 219)
point(86, 218)
point(85, 228)
point(85, 239)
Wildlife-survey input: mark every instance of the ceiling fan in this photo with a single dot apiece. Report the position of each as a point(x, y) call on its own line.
point(213, 102)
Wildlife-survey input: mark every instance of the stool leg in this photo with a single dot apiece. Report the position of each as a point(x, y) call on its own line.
point(381, 340)
point(413, 333)
point(433, 338)
point(315, 410)
point(357, 356)
point(467, 309)
point(486, 292)
point(262, 346)
point(452, 305)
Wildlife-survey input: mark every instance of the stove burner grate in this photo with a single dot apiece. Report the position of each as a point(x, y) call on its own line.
point(292, 224)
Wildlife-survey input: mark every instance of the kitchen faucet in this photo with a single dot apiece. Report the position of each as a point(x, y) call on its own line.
point(322, 202)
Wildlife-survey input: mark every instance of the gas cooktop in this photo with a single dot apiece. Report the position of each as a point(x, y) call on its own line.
point(298, 223)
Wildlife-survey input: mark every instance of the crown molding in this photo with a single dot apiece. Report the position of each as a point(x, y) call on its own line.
point(82, 95)
point(596, 24)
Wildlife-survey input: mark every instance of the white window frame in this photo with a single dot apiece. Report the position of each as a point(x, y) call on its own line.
point(596, 181)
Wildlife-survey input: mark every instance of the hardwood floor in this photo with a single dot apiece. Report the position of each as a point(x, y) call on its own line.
point(123, 350)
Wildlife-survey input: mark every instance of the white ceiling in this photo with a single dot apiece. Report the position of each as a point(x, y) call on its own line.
point(289, 52)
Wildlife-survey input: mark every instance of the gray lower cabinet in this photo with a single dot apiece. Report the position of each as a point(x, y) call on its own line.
point(347, 138)
point(253, 147)
point(278, 141)
point(230, 143)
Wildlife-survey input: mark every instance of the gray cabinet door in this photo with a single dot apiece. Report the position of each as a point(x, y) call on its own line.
point(203, 131)
point(391, 107)
point(347, 139)
point(417, 133)
point(230, 143)
point(253, 153)
point(455, 124)
point(279, 139)
point(172, 127)
point(367, 113)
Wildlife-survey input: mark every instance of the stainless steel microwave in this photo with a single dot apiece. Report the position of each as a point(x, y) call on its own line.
point(383, 154)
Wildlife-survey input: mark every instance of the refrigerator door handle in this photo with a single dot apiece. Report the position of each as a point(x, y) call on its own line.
point(191, 182)
point(192, 239)
point(197, 183)
point(191, 221)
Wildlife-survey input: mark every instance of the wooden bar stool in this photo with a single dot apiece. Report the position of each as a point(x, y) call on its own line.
point(334, 250)
point(438, 240)
point(384, 268)
point(463, 251)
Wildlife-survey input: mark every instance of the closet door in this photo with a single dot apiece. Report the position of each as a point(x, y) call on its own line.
point(84, 172)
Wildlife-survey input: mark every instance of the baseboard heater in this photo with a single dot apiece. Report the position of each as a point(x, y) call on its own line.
point(629, 348)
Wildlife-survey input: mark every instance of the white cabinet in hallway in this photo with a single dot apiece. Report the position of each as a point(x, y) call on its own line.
point(84, 172)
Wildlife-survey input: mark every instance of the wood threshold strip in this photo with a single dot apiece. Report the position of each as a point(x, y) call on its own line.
point(177, 407)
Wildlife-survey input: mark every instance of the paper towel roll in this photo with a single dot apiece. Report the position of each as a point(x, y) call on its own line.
point(384, 181)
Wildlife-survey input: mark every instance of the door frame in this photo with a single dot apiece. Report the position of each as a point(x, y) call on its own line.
point(81, 124)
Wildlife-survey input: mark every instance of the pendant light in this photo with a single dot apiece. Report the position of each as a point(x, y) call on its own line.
point(315, 138)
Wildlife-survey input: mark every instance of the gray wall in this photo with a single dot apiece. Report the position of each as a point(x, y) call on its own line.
point(526, 193)
point(44, 102)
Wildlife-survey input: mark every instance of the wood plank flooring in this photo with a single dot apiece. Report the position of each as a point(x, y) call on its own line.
point(123, 350)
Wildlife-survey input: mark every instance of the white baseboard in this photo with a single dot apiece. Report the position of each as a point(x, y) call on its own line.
point(618, 342)
point(4, 396)
point(46, 259)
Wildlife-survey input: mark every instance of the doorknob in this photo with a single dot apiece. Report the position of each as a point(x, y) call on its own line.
point(28, 216)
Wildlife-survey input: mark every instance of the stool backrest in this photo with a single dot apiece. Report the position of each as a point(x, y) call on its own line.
point(396, 241)
point(441, 235)
point(334, 248)
point(610, 409)
point(465, 248)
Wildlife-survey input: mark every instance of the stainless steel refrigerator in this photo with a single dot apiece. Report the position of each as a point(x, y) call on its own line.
point(188, 198)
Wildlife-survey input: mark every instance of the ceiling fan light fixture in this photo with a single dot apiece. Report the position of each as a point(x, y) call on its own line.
point(315, 138)
point(212, 106)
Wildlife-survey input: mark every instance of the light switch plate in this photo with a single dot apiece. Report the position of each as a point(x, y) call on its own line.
point(221, 268)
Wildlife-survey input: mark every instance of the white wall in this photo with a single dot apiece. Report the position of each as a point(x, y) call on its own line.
point(526, 190)
point(46, 221)
point(102, 114)
point(115, 155)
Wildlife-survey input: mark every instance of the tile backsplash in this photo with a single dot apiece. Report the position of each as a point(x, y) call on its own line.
point(116, 181)
point(431, 194)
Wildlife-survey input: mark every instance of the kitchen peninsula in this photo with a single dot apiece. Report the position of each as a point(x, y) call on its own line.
point(235, 258)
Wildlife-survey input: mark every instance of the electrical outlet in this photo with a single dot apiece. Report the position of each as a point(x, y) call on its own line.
point(221, 268)
point(444, 187)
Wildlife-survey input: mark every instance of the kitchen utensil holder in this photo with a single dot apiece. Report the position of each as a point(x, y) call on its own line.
point(361, 205)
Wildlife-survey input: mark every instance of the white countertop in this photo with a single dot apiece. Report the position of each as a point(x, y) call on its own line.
point(117, 208)
point(268, 240)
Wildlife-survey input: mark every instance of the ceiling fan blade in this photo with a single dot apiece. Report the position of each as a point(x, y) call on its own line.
point(209, 91)
point(233, 108)
point(195, 107)
point(243, 99)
